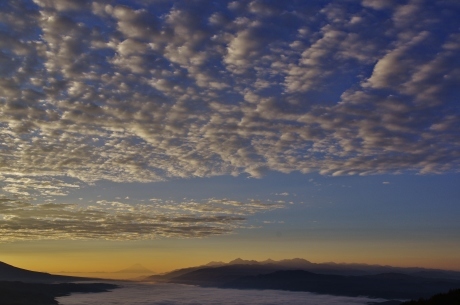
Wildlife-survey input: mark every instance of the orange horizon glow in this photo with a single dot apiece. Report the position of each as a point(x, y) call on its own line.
point(104, 263)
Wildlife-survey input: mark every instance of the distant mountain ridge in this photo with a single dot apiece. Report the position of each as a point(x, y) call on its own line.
point(349, 268)
point(324, 268)
point(330, 278)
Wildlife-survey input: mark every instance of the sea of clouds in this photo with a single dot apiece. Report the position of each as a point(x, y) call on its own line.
point(173, 294)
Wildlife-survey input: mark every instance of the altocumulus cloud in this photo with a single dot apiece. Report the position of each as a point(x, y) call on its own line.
point(143, 91)
point(98, 90)
point(21, 220)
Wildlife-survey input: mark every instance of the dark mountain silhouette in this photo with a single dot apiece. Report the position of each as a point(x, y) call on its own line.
point(213, 276)
point(165, 277)
point(388, 286)
point(264, 267)
point(18, 293)
point(24, 287)
point(11, 273)
point(240, 261)
point(441, 274)
point(328, 278)
point(321, 268)
point(450, 298)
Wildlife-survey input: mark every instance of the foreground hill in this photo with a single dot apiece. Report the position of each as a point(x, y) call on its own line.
point(18, 293)
point(450, 298)
point(24, 287)
point(11, 273)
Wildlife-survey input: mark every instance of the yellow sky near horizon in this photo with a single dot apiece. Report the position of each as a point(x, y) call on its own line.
point(88, 258)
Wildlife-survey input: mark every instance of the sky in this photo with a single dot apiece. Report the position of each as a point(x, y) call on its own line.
point(174, 133)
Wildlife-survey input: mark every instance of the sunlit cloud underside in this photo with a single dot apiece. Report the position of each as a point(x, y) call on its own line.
point(146, 91)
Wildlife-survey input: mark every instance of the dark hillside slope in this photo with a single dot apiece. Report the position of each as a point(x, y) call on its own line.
point(215, 276)
point(11, 273)
point(389, 286)
point(18, 293)
point(450, 298)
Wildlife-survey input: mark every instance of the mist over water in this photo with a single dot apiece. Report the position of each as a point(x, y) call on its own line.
point(173, 294)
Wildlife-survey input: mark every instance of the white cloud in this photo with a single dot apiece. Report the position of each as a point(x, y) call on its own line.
point(283, 194)
point(98, 90)
point(377, 4)
point(113, 220)
point(63, 5)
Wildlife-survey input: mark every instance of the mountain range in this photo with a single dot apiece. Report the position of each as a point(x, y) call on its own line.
point(322, 268)
point(328, 278)
point(386, 282)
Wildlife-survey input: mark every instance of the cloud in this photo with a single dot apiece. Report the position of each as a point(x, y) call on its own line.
point(112, 220)
point(168, 294)
point(102, 90)
point(282, 194)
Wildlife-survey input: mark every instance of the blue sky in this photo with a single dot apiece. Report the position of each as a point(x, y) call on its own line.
point(152, 120)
